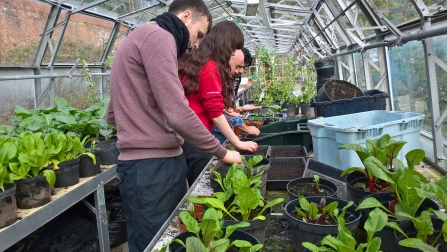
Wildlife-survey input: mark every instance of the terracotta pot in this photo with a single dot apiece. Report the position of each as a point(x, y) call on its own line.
point(254, 123)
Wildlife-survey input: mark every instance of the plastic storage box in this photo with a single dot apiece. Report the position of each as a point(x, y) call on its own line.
point(329, 133)
point(285, 125)
point(373, 100)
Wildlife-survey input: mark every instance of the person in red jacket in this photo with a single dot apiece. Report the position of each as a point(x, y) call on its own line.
point(208, 82)
point(152, 116)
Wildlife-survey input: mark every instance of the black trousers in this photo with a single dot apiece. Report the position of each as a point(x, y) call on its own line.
point(150, 190)
point(196, 161)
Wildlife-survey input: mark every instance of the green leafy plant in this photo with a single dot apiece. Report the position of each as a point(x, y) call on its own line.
point(322, 213)
point(385, 150)
point(410, 187)
point(308, 74)
point(209, 235)
point(241, 185)
point(8, 151)
point(92, 92)
point(345, 242)
point(317, 184)
point(32, 158)
point(63, 147)
point(424, 226)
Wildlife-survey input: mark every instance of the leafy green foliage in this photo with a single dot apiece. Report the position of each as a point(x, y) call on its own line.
point(209, 235)
point(321, 213)
point(345, 241)
point(8, 151)
point(424, 226)
point(384, 151)
point(31, 159)
point(62, 118)
point(241, 183)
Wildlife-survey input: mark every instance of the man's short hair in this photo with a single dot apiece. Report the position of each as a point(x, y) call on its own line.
point(198, 7)
point(247, 57)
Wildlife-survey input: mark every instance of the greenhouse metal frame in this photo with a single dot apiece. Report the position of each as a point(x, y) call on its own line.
point(360, 34)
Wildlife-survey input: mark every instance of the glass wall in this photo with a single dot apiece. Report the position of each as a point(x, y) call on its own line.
point(408, 79)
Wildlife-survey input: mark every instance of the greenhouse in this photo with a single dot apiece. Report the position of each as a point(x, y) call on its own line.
point(211, 125)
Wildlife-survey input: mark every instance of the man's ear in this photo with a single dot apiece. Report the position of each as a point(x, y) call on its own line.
point(185, 16)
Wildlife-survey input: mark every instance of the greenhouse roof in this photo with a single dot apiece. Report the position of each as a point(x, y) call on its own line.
point(312, 26)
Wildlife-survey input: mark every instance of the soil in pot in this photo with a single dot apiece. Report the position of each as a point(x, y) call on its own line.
point(285, 171)
point(356, 183)
point(8, 205)
point(32, 192)
point(287, 153)
point(307, 187)
point(314, 233)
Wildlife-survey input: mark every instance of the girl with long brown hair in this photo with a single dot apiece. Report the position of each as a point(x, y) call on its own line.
point(206, 75)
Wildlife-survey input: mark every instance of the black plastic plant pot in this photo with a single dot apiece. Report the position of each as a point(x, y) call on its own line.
point(236, 235)
point(324, 183)
point(108, 152)
point(257, 228)
point(86, 166)
point(8, 205)
point(314, 233)
point(356, 194)
point(387, 233)
point(409, 229)
point(32, 192)
point(67, 174)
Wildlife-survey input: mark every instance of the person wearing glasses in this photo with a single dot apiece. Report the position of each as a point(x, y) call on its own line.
point(234, 116)
point(209, 88)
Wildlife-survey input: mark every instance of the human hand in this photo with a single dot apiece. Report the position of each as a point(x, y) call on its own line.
point(249, 107)
point(249, 146)
point(232, 157)
point(252, 130)
point(232, 113)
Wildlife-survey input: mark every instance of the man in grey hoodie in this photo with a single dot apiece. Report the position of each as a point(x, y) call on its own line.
point(152, 116)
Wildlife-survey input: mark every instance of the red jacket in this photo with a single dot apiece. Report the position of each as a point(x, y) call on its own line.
point(209, 103)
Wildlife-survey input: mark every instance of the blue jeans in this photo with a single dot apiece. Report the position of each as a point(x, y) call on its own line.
point(150, 189)
point(219, 136)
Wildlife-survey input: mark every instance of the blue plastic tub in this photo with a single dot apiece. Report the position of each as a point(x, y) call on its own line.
point(329, 133)
point(373, 100)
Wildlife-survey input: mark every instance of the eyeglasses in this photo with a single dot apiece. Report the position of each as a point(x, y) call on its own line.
point(240, 67)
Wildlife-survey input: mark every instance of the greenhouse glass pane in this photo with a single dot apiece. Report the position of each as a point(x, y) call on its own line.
point(397, 11)
point(86, 35)
point(435, 5)
point(114, 8)
point(359, 70)
point(441, 77)
point(373, 55)
point(363, 22)
point(27, 20)
point(345, 71)
point(15, 93)
point(408, 79)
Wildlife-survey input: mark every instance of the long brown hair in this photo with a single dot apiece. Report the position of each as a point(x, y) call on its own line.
point(224, 38)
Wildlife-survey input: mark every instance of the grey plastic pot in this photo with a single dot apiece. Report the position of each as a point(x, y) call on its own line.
point(324, 183)
point(257, 228)
point(314, 233)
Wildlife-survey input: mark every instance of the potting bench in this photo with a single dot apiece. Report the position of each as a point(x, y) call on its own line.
point(64, 198)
